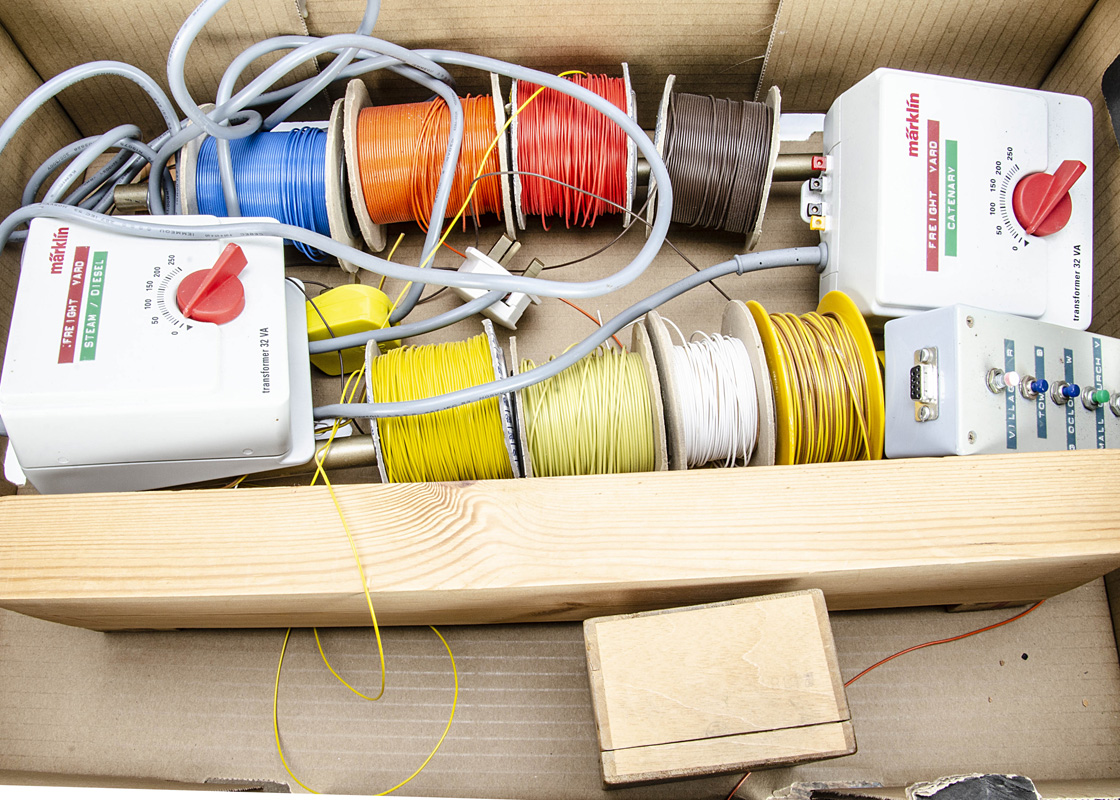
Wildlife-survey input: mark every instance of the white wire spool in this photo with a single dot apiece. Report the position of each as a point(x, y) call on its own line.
point(718, 399)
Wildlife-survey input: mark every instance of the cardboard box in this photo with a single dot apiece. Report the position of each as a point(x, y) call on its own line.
point(196, 705)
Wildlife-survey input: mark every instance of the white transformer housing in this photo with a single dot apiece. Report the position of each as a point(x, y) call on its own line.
point(106, 386)
point(917, 198)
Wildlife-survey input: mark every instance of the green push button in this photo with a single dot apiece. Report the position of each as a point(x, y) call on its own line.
point(1099, 396)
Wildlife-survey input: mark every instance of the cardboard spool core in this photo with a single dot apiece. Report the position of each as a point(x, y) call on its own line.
point(338, 210)
point(357, 98)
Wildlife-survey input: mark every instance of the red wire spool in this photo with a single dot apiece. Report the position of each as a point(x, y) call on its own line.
point(563, 138)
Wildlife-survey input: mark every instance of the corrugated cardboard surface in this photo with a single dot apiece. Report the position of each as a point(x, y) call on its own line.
point(196, 705)
point(817, 50)
point(1079, 71)
point(714, 47)
point(193, 705)
point(55, 35)
point(49, 130)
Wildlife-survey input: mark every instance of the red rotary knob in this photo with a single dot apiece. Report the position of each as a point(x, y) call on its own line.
point(1041, 201)
point(216, 294)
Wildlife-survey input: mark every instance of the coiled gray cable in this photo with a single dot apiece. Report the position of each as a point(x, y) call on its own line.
point(233, 117)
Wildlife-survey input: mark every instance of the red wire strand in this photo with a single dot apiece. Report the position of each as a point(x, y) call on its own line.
point(565, 139)
point(878, 664)
point(592, 318)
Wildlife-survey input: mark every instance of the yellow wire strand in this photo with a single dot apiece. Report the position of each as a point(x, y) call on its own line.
point(423, 764)
point(320, 472)
point(481, 166)
point(389, 257)
point(466, 442)
point(593, 418)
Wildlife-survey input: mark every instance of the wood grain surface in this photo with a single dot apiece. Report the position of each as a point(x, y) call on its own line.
point(883, 534)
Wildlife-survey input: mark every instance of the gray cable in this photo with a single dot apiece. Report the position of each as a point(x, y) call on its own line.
point(176, 62)
point(326, 76)
point(541, 286)
point(426, 61)
point(77, 168)
point(176, 79)
point(60, 157)
point(68, 78)
point(160, 230)
point(82, 72)
point(740, 264)
point(375, 54)
point(408, 329)
point(115, 167)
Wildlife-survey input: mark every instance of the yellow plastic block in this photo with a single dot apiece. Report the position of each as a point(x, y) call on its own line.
point(353, 308)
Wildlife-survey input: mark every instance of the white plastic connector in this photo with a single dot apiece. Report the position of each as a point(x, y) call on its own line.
point(507, 311)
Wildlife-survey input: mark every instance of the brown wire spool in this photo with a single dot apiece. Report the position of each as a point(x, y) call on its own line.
point(720, 155)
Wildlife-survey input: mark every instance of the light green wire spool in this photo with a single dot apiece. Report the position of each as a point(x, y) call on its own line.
point(594, 418)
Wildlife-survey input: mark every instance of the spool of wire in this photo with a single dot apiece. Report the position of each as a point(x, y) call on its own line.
point(400, 152)
point(827, 387)
point(718, 398)
point(720, 155)
point(594, 418)
point(468, 442)
point(562, 138)
point(278, 175)
point(717, 152)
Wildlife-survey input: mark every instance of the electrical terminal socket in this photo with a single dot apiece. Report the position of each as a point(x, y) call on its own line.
point(507, 311)
point(814, 206)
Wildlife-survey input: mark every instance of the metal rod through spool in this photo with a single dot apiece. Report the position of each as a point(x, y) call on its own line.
point(792, 167)
point(131, 198)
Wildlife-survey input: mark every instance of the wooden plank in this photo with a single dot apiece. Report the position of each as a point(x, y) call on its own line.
point(741, 753)
point(718, 670)
point(883, 534)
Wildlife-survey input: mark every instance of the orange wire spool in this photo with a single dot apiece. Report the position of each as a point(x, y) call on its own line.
point(401, 150)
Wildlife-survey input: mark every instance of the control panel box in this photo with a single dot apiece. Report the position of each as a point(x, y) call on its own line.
point(962, 380)
point(939, 191)
point(107, 384)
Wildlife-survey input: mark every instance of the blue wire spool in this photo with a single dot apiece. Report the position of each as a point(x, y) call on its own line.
point(278, 175)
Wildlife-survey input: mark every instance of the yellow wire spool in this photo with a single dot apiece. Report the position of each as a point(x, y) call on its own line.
point(467, 442)
point(594, 418)
point(820, 365)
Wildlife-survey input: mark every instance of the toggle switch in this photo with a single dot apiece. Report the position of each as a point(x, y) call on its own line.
point(1062, 392)
point(999, 381)
point(1031, 387)
point(1095, 399)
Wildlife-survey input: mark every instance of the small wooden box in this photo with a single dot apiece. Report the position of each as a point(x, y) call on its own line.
point(725, 687)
